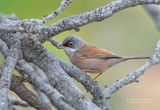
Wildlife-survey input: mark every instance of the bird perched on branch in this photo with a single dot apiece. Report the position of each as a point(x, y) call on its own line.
point(90, 58)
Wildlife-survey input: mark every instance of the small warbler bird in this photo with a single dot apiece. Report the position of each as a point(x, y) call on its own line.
point(90, 58)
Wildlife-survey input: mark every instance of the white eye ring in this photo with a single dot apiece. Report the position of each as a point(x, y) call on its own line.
point(70, 43)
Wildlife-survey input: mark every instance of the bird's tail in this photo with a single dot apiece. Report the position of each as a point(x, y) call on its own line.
point(135, 58)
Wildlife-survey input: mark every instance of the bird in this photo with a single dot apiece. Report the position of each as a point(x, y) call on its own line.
point(90, 58)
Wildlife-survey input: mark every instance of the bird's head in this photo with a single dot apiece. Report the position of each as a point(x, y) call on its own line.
point(72, 44)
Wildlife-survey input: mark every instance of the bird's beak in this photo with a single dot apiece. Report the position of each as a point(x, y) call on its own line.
point(61, 46)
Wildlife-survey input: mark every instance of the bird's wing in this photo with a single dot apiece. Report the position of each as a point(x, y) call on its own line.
point(91, 51)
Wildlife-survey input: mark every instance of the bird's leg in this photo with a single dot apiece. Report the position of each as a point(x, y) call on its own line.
point(96, 76)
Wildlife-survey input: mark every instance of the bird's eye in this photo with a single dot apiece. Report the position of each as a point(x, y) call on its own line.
point(70, 44)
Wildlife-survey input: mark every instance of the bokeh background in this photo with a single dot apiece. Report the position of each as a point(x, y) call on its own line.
point(130, 32)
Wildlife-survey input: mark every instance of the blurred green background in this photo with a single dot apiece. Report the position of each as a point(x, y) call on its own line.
point(129, 32)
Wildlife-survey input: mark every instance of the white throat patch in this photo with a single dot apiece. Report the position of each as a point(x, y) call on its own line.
point(70, 51)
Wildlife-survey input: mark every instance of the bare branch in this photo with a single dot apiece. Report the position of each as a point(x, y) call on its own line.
point(87, 82)
point(6, 73)
point(20, 89)
point(51, 60)
point(25, 94)
point(3, 48)
point(41, 95)
point(76, 21)
point(106, 11)
point(55, 42)
point(64, 4)
point(56, 98)
point(131, 77)
point(11, 29)
point(15, 101)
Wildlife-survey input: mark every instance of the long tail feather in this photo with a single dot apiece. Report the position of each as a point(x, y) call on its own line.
point(135, 58)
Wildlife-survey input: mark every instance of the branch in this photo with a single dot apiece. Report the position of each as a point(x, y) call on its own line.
point(41, 95)
point(56, 98)
point(55, 42)
point(6, 72)
point(87, 82)
point(20, 89)
point(15, 101)
point(11, 29)
point(106, 11)
point(39, 54)
point(73, 22)
point(25, 94)
point(131, 77)
point(64, 4)
point(3, 48)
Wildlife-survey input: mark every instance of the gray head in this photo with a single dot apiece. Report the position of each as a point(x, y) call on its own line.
point(71, 44)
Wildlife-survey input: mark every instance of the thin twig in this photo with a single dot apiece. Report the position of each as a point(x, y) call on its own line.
point(55, 42)
point(64, 4)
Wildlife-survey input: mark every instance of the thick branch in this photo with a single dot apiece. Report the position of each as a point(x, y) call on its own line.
point(20, 89)
point(3, 48)
point(25, 94)
point(4, 28)
point(6, 73)
point(41, 95)
point(15, 101)
point(87, 82)
point(131, 77)
point(56, 98)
